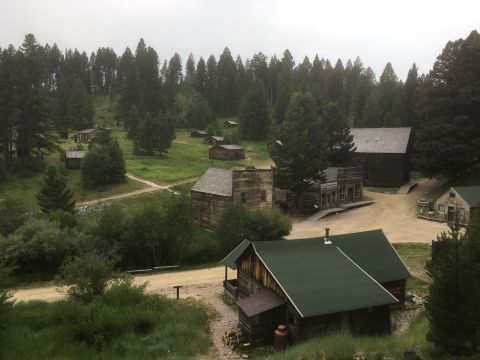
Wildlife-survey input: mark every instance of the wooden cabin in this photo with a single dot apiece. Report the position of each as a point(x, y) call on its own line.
point(458, 201)
point(199, 133)
point(214, 140)
point(218, 188)
point(226, 152)
point(341, 186)
point(73, 159)
point(384, 154)
point(316, 286)
point(86, 136)
point(230, 124)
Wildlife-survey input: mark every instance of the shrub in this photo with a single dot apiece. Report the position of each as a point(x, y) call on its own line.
point(13, 213)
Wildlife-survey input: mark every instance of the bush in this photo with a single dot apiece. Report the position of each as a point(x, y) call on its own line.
point(13, 213)
point(87, 276)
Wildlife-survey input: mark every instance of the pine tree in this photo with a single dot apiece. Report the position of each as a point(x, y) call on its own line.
point(227, 92)
point(211, 83)
point(340, 142)
point(54, 193)
point(299, 150)
point(253, 114)
point(284, 86)
point(447, 300)
point(155, 134)
point(117, 169)
point(146, 62)
point(199, 114)
point(201, 78)
point(174, 78)
point(448, 131)
point(127, 86)
point(410, 90)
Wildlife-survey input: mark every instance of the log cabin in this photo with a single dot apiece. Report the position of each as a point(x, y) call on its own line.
point(316, 286)
point(73, 159)
point(214, 140)
point(86, 136)
point(384, 154)
point(218, 188)
point(230, 124)
point(226, 152)
point(199, 133)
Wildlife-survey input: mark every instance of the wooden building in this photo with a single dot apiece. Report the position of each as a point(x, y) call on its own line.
point(73, 159)
point(384, 154)
point(218, 188)
point(226, 152)
point(458, 201)
point(86, 135)
point(199, 133)
point(341, 186)
point(316, 286)
point(214, 140)
point(230, 124)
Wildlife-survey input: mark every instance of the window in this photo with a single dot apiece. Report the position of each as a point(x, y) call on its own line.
point(358, 190)
point(263, 196)
point(243, 197)
point(451, 195)
point(441, 208)
point(341, 193)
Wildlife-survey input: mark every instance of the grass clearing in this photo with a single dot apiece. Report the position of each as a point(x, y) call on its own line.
point(415, 256)
point(123, 323)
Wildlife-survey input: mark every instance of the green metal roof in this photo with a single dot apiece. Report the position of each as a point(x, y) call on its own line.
point(230, 259)
point(320, 279)
point(471, 194)
point(324, 278)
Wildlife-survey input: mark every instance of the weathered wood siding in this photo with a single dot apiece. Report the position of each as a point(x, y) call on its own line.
point(351, 180)
point(445, 201)
point(371, 321)
point(73, 163)
point(208, 208)
point(388, 170)
point(253, 187)
point(397, 289)
point(260, 328)
point(219, 153)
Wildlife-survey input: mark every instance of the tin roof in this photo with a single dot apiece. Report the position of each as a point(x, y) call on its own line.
point(74, 154)
point(231, 147)
point(263, 301)
point(471, 194)
point(321, 278)
point(87, 131)
point(381, 140)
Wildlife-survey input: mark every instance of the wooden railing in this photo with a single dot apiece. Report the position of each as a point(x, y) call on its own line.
point(230, 287)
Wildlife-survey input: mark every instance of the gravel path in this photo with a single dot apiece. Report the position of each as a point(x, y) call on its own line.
point(394, 213)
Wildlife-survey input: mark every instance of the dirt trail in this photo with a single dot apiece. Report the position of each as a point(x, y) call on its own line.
point(394, 213)
point(150, 187)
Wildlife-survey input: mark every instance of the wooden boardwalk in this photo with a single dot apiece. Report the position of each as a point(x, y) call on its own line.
point(332, 211)
point(406, 188)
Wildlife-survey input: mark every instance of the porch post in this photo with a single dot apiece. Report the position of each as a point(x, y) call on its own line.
point(226, 272)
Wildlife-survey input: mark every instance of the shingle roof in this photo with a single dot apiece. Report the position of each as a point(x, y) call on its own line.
point(231, 122)
point(215, 181)
point(231, 147)
point(321, 279)
point(381, 140)
point(74, 154)
point(203, 132)
point(87, 131)
point(217, 138)
point(471, 194)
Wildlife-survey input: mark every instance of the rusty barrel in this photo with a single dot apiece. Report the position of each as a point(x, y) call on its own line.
point(281, 337)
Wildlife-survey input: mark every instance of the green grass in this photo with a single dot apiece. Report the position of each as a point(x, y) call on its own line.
point(123, 324)
point(343, 346)
point(186, 159)
point(26, 187)
point(415, 256)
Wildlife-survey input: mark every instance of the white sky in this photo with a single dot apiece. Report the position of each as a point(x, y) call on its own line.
point(401, 32)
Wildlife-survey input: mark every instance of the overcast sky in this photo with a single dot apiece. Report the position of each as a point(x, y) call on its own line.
point(400, 32)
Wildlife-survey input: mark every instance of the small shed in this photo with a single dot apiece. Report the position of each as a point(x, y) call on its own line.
point(316, 286)
point(214, 140)
point(458, 201)
point(199, 133)
point(73, 159)
point(226, 152)
point(230, 124)
point(87, 135)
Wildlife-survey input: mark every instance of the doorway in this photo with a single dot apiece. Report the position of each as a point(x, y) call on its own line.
point(350, 194)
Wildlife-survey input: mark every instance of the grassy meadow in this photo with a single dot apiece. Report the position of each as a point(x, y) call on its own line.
point(121, 324)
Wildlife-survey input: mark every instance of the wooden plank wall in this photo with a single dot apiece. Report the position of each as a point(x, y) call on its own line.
point(397, 289)
point(219, 153)
point(208, 208)
point(252, 182)
point(391, 170)
point(372, 321)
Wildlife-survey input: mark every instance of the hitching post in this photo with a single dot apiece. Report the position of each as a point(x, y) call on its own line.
point(178, 287)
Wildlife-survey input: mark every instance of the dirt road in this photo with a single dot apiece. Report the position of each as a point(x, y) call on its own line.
point(150, 186)
point(160, 282)
point(394, 213)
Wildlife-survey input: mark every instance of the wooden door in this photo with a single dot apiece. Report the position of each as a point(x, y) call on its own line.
point(451, 214)
point(350, 194)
